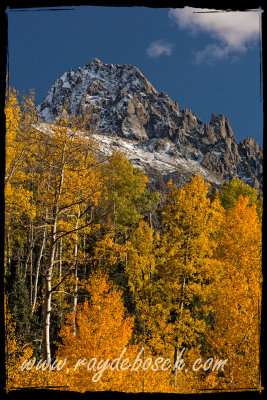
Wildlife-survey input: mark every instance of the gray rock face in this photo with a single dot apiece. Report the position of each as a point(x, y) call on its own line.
point(129, 107)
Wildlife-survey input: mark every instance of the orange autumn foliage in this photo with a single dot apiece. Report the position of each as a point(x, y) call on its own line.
point(102, 332)
point(198, 285)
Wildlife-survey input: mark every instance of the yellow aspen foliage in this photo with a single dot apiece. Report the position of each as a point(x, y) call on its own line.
point(240, 240)
point(236, 333)
point(19, 150)
point(69, 189)
point(108, 253)
point(126, 192)
point(13, 115)
point(231, 191)
point(67, 167)
point(196, 286)
point(142, 272)
point(103, 339)
point(188, 269)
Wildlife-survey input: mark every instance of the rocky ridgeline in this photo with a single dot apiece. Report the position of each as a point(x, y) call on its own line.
point(128, 107)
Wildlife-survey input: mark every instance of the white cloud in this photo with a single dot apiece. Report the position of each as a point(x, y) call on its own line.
point(159, 48)
point(211, 53)
point(233, 30)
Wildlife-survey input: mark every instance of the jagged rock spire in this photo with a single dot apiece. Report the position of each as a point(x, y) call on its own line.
point(126, 103)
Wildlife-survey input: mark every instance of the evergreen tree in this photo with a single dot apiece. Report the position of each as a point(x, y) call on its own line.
point(26, 324)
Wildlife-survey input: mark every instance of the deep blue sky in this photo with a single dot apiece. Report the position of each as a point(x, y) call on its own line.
point(44, 44)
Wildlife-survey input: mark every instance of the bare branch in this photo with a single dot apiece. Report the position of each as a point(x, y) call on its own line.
point(81, 227)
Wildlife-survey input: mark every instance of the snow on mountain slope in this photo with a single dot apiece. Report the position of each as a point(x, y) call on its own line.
point(156, 135)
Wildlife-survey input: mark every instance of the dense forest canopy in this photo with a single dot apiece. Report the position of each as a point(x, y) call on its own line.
point(87, 275)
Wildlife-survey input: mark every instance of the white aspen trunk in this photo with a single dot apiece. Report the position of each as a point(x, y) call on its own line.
point(75, 300)
point(60, 259)
point(37, 272)
point(31, 267)
point(176, 348)
point(60, 275)
point(46, 320)
point(75, 295)
point(150, 220)
point(28, 258)
point(46, 348)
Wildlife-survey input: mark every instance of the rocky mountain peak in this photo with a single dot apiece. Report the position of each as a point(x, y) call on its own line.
point(128, 106)
point(221, 126)
point(94, 62)
point(251, 145)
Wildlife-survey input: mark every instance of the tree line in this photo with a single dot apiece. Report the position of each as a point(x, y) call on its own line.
point(87, 274)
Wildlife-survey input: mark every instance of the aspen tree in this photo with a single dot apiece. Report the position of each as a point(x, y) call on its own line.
point(236, 333)
point(188, 269)
point(142, 273)
point(231, 191)
point(20, 145)
point(102, 332)
point(70, 187)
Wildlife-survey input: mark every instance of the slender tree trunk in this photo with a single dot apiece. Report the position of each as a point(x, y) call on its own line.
point(114, 220)
point(126, 245)
point(46, 350)
point(75, 299)
point(37, 272)
point(60, 275)
point(60, 259)
point(31, 281)
point(7, 251)
point(150, 220)
point(144, 343)
point(28, 257)
point(31, 265)
point(84, 256)
point(46, 319)
point(176, 347)
point(75, 296)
